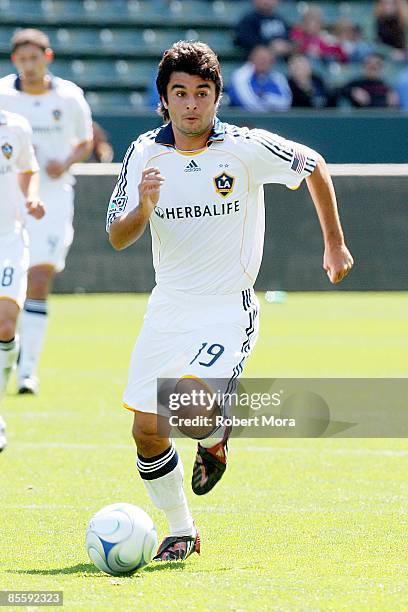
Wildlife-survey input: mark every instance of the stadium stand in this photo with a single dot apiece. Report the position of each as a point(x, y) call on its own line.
point(111, 47)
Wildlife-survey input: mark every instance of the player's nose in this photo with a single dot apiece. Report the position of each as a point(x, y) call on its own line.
point(191, 103)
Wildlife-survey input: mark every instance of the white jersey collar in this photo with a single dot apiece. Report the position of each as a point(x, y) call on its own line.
point(17, 82)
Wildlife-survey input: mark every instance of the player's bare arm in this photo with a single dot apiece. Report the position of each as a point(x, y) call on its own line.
point(30, 186)
point(337, 259)
point(80, 152)
point(128, 228)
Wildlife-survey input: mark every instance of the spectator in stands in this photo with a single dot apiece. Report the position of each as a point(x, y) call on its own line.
point(311, 39)
point(102, 151)
point(370, 91)
point(402, 89)
point(391, 21)
point(263, 26)
point(257, 87)
point(308, 89)
point(350, 38)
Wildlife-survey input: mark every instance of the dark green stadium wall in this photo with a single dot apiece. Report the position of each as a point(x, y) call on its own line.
point(374, 211)
point(360, 137)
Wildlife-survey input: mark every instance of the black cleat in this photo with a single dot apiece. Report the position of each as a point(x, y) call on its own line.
point(178, 548)
point(209, 466)
point(3, 440)
point(28, 385)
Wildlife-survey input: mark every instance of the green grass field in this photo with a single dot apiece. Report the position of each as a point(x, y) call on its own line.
point(294, 525)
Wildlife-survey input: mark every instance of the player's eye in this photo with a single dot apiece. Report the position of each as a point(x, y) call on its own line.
point(180, 94)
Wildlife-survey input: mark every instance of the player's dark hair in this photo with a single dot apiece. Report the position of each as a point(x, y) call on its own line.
point(30, 36)
point(195, 58)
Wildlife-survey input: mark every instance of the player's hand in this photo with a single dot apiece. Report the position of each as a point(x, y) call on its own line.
point(35, 208)
point(55, 168)
point(337, 262)
point(149, 189)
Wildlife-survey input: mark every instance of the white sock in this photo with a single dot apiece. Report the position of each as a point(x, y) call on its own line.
point(213, 440)
point(33, 325)
point(163, 479)
point(8, 358)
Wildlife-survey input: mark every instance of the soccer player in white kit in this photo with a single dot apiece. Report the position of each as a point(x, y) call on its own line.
point(18, 175)
point(199, 184)
point(62, 134)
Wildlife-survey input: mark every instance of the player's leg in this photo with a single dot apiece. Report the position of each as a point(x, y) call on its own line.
point(13, 285)
point(9, 311)
point(33, 325)
point(225, 351)
point(162, 473)
point(158, 462)
point(50, 240)
point(199, 420)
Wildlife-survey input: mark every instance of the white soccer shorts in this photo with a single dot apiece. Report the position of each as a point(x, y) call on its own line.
point(14, 259)
point(52, 236)
point(190, 335)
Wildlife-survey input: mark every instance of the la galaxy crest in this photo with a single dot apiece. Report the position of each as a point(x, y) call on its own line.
point(56, 114)
point(7, 150)
point(224, 184)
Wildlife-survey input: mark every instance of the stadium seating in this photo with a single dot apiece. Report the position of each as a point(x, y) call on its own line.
point(102, 101)
point(111, 47)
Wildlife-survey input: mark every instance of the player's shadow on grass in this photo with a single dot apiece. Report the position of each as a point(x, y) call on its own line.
point(165, 565)
point(80, 568)
point(88, 568)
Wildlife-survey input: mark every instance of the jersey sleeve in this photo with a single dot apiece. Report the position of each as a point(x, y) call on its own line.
point(26, 160)
point(82, 117)
point(125, 196)
point(276, 160)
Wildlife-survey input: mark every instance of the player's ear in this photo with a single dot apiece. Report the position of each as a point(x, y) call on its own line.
point(49, 55)
point(163, 101)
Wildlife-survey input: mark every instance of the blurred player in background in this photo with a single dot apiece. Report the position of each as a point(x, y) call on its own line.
point(199, 183)
point(18, 172)
point(102, 151)
point(62, 135)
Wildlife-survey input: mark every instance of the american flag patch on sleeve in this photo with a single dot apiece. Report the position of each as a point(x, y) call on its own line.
point(298, 161)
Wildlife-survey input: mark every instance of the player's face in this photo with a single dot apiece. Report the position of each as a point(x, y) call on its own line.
point(32, 62)
point(191, 103)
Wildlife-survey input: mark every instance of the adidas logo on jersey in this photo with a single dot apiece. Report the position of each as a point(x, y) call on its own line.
point(192, 167)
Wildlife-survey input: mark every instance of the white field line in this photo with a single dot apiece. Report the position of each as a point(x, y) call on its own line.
point(250, 448)
point(358, 508)
point(335, 169)
point(335, 451)
point(43, 415)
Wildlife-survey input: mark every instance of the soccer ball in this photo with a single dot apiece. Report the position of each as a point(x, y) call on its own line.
point(120, 539)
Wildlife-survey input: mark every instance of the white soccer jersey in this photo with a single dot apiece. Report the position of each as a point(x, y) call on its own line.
point(16, 155)
point(208, 227)
point(60, 119)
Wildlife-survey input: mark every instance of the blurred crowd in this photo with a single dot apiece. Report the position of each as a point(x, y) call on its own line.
point(296, 66)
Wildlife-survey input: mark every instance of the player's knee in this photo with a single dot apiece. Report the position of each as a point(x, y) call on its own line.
point(7, 330)
point(149, 433)
point(38, 284)
point(38, 288)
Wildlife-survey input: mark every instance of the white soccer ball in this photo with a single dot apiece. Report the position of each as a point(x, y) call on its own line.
point(121, 538)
